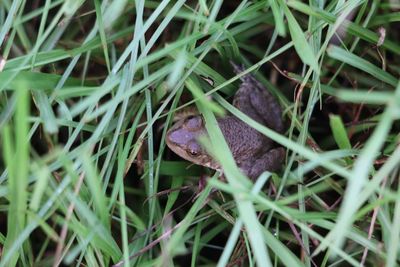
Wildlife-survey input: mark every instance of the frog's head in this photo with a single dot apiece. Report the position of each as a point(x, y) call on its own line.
point(183, 137)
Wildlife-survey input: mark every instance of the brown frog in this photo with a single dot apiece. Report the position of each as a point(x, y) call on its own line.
point(253, 152)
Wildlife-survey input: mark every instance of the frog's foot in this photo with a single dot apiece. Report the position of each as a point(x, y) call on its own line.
point(270, 161)
point(202, 185)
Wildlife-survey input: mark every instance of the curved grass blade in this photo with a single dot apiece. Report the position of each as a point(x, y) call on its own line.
point(301, 45)
point(360, 63)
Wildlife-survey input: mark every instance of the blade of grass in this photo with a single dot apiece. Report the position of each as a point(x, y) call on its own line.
point(124, 228)
point(339, 132)
point(102, 32)
point(278, 18)
point(9, 20)
point(46, 112)
point(36, 80)
point(177, 70)
point(199, 95)
point(385, 19)
point(9, 255)
point(43, 175)
point(18, 163)
point(213, 15)
point(393, 244)
point(301, 45)
point(362, 64)
point(365, 97)
point(94, 184)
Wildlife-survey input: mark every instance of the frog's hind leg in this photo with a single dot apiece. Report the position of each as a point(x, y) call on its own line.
point(271, 161)
point(267, 108)
point(257, 102)
point(242, 99)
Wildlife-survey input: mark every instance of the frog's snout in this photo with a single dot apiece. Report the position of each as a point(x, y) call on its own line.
point(178, 137)
point(172, 136)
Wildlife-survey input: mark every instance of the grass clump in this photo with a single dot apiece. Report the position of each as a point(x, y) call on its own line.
point(89, 89)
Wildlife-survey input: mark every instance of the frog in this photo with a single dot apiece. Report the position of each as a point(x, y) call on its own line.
point(253, 152)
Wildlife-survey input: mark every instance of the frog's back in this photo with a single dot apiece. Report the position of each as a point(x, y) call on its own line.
point(243, 140)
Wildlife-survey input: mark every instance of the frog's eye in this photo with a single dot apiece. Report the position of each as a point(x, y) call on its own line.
point(193, 149)
point(193, 152)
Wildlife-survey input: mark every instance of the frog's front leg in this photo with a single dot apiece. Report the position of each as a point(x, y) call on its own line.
point(270, 161)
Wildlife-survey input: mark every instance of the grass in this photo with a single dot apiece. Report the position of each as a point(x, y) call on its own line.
point(89, 89)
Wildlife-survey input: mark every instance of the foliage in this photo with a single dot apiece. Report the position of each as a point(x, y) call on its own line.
point(88, 90)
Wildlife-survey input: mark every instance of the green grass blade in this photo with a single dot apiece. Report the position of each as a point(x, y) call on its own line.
point(102, 32)
point(16, 154)
point(301, 45)
point(278, 18)
point(339, 132)
point(9, 20)
point(46, 112)
point(94, 184)
point(362, 64)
